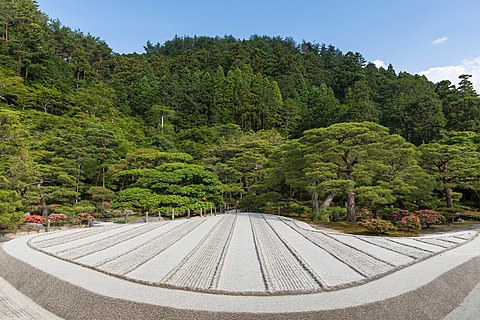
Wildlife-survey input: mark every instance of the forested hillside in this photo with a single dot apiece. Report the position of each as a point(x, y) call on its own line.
point(200, 121)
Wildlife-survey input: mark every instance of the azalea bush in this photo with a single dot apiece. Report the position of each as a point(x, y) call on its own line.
point(377, 226)
point(428, 217)
point(57, 218)
point(397, 215)
point(410, 222)
point(35, 219)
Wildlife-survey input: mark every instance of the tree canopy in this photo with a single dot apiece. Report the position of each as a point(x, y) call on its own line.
point(195, 121)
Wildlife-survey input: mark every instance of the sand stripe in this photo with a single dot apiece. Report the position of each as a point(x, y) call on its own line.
point(201, 268)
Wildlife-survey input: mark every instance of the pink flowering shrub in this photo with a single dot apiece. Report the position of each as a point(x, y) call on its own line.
point(428, 217)
point(377, 226)
point(410, 222)
point(35, 219)
point(57, 218)
point(398, 214)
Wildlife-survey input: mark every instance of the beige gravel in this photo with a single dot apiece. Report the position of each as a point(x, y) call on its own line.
point(16, 306)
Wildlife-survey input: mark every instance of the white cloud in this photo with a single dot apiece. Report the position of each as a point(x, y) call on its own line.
point(468, 66)
point(440, 40)
point(379, 63)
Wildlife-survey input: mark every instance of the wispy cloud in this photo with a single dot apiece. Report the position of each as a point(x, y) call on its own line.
point(468, 66)
point(440, 40)
point(379, 63)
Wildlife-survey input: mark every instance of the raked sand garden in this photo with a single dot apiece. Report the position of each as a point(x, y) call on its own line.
point(236, 265)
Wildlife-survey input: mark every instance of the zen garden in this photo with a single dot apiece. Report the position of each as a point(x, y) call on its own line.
point(216, 177)
point(201, 123)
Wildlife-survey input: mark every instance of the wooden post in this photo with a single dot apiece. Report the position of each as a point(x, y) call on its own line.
point(126, 218)
point(201, 213)
point(48, 224)
point(215, 210)
point(146, 216)
point(159, 215)
point(188, 213)
point(278, 210)
point(211, 211)
point(173, 214)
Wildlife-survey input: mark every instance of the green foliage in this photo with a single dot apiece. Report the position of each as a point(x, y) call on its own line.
point(377, 226)
point(320, 215)
point(360, 159)
point(10, 217)
point(202, 120)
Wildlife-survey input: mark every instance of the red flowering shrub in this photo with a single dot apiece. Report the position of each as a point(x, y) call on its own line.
point(410, 222)
point(35, 219)
point(428, 217)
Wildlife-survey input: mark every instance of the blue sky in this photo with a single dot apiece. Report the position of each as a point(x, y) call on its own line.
point(437, 38)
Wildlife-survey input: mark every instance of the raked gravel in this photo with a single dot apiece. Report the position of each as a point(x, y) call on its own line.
point(155, 269)
point(16, 306)
point(241, 254)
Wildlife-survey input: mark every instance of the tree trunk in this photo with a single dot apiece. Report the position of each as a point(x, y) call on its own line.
point(448, 197)
point(103, 176)
point(77, 183)
point(351, 214)
point(42, 200)
point(328, 200)
point(19, 66)
point(351, 210)
point(314, 202)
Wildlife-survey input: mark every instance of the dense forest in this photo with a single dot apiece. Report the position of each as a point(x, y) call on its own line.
point(264, 123)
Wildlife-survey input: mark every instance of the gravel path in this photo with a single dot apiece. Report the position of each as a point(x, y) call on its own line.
point(16, 306)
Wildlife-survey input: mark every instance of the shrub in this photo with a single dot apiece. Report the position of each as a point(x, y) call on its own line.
point(35, 219)
point(321, 215)
point(377, 226)
point(397, 215)
point(428, 217)
point(410, 222)
point(337, 213)
point(82, 218)
point(57, 218)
